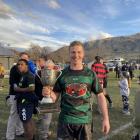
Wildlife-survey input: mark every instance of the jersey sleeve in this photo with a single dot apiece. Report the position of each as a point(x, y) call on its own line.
point(96, 87)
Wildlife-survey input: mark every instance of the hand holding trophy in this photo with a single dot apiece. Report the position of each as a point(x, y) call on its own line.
point(46, 92)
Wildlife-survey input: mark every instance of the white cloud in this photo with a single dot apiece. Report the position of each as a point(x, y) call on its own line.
point(48, 41)
point(100, 35)
point(15, 31)
point(52, 4)
point(27, 26)
point(12, 31)
point(19, 33)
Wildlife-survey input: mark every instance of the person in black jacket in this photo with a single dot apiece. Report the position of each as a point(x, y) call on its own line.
point(46, 118)
point(125, 67)
point(131, 71)
point(14, 125)
point(118, 71)
point(26, 98)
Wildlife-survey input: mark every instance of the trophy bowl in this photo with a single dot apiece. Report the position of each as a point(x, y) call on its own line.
point(49, 76)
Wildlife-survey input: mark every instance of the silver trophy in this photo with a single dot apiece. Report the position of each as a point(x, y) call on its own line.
point(48, 78)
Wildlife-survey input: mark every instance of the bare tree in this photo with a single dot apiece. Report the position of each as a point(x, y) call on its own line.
point(34, 51)
point(46, 51)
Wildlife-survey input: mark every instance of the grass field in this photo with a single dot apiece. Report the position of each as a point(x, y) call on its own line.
point(117, 119)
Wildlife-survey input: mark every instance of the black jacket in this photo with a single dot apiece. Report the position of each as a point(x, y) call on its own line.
point(38, 86)
point(13, 79)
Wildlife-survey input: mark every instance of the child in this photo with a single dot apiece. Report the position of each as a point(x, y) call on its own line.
point(125, 91)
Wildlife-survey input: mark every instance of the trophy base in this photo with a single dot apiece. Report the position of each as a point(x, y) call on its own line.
point(46, 100)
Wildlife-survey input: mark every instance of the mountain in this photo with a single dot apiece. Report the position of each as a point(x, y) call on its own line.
point(122, 46)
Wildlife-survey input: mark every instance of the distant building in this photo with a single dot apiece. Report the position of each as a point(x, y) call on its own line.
point(6, 57)
point(116, 61)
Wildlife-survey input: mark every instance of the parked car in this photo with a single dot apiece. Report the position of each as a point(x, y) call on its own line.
point(110, 66)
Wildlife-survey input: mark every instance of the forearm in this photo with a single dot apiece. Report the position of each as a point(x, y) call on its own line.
point(28, 89)
point(103, 106)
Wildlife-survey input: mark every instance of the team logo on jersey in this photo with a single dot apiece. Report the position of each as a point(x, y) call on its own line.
point(76, 89)
point(21, 80)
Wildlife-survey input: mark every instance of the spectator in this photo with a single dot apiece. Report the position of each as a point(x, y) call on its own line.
point(2, 72)
point(46, 118)
point(125, 67)
point(26, 98)
point(101, 70)
point(14, 125)
point(124, 91)
point(31, 65)
point(118, 71)
point(131, 70)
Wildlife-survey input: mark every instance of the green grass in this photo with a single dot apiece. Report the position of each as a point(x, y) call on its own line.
point(117, 119)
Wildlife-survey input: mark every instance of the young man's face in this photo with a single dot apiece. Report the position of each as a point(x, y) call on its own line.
point(101, 61)
point(41, 62)
point(24, 56)
point(76, 54)
point(22, 67)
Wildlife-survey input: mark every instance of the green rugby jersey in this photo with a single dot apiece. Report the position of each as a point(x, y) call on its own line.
point(75, 87)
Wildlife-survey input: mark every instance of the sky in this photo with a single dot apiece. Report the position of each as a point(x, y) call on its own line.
point(56, 23)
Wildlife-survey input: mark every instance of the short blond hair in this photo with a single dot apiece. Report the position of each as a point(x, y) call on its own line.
point(76, 43)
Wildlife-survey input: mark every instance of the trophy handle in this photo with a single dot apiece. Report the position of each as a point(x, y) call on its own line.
point(59, 74)
point(38, 76)
point(43, 73)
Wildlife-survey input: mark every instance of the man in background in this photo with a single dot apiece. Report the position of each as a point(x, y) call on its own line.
point(26, 98)
point(101, 70)
point(31, 65)
point(14, 124)
point(2, 72)
point(47, 117)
